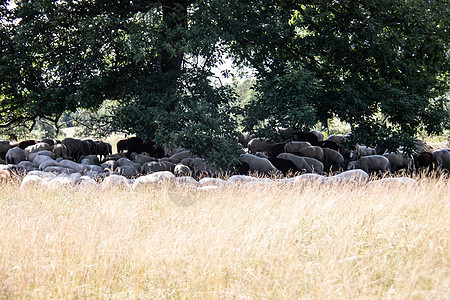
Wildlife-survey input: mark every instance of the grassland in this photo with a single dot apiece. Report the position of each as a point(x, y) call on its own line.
point(310, 242)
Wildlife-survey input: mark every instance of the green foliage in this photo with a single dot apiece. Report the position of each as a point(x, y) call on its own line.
point(381, 67)
point(283, 100)
point(370, 58)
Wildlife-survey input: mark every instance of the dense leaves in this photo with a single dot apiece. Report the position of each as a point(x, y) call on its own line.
point(381, 66)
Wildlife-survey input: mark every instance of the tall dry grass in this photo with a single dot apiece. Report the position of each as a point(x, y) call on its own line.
point(309, 242)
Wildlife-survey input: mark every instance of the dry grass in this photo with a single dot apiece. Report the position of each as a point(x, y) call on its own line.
point(306, 242)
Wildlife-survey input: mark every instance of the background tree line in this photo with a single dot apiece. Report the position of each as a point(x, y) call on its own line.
point(382, 66)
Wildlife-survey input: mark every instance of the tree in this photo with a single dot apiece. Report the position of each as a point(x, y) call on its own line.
point(152, 59)
point(381, 66)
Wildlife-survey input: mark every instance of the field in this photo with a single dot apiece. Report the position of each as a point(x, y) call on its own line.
point(310, 242)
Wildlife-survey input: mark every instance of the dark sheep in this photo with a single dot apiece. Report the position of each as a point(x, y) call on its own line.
point(275, 149)
point(23, 144)
point(87, 147)
point(122, 146)
point(297, 135)
point(424, 160)
point(74, 147)
point(329, 145)
point(285, 166)
point(102, 149)
point(242, 168)
point(51, 142)
point(135, 144)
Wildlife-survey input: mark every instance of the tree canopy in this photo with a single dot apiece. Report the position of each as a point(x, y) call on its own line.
point(381, 66)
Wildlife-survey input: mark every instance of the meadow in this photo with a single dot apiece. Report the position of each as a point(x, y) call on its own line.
point(308, 241)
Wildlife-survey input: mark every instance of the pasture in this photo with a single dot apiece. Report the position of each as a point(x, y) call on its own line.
point(310, 241)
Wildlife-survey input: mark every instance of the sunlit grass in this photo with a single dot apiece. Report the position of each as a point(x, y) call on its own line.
point(261, 242)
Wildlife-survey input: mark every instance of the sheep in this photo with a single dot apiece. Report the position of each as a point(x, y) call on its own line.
point(46, 153)
point(154, 178)
point(284, 165)
point(262, 155)
point(260, 165)
point(350, 176)
point(424, 159)
point(371, 163)
point(182, 170)
point(109, 164)
point(127, 171)
point(179, 156)
point(332, 160)
point(155, 166)
point(74, 147)
point(329, 144)
point(300, 136)
point(340, 140)
point(244, 138)
point(310, 178)
point(87, 183)
point(300, 162)
point(395, 182)
point(73, 165)
point(48, 163)
point(212, 182)
point(115, 181)
point(320, 135)
point(142, 158)
point(4, 147)
point(94, 168)
point(240, 179)
point(364, 151)
point(275, 149)
point(312, 151)
point(58, 170)
point(39, 159)
point(28, 165)
point(31, 181)
point(442, 157)
point(24, 144)
point(61, 182)
point(90, 160)
point(316, 165)
point(258, 145)
point(295, 146)
point(5, 175)
point(126, 162)
point(60, 150)
point(15, 155)
point(399, 161)
point(337, 138)
point(36, 148)
point(186, 181)
point(200, 168)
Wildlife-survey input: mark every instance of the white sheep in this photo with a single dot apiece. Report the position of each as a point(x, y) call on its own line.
point(260, 165)
point(371, 163)
point(258, 145)
point(296, 146)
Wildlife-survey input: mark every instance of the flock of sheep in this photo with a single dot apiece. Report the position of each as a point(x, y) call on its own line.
point(309, 157)
point(311, 153)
